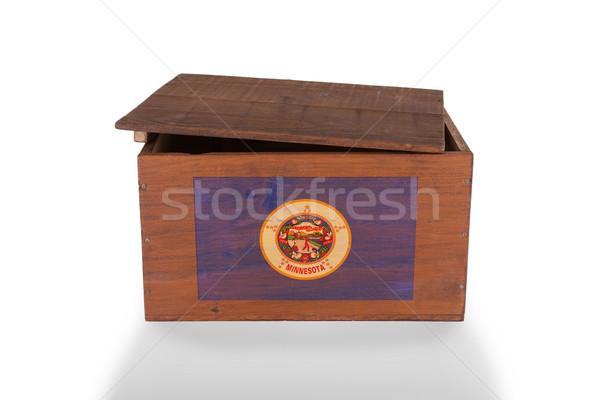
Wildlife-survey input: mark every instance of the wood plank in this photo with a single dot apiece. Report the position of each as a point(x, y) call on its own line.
point(170, 268)
point(377, 117)
point(140, 137)
point(458, 139)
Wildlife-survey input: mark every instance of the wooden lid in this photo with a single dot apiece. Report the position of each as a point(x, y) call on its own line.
point(375, 117)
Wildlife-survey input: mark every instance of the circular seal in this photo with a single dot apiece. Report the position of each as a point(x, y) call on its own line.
point(305, 239)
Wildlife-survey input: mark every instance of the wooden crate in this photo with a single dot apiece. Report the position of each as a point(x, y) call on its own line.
point(236, 227)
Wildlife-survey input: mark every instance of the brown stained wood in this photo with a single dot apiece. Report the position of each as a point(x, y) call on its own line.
point(456, 136)
point(440, 254)
point(378, 117)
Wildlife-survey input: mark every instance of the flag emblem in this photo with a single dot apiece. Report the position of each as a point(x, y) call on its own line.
point(305, 239)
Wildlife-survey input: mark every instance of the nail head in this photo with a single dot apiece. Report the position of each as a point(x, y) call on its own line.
point(147, 240)
point(461, 286)
point(144, 186)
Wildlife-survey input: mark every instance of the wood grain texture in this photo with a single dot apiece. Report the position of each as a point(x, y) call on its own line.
point(440, 257)
point(456, 136)
point(378, 117)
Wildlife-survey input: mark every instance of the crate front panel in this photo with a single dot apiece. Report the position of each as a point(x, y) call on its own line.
point(181, 281)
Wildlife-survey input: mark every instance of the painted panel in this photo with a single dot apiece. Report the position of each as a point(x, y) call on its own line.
point(324, 238)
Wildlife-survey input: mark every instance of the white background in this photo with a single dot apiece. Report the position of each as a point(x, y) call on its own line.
point(522, 86)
